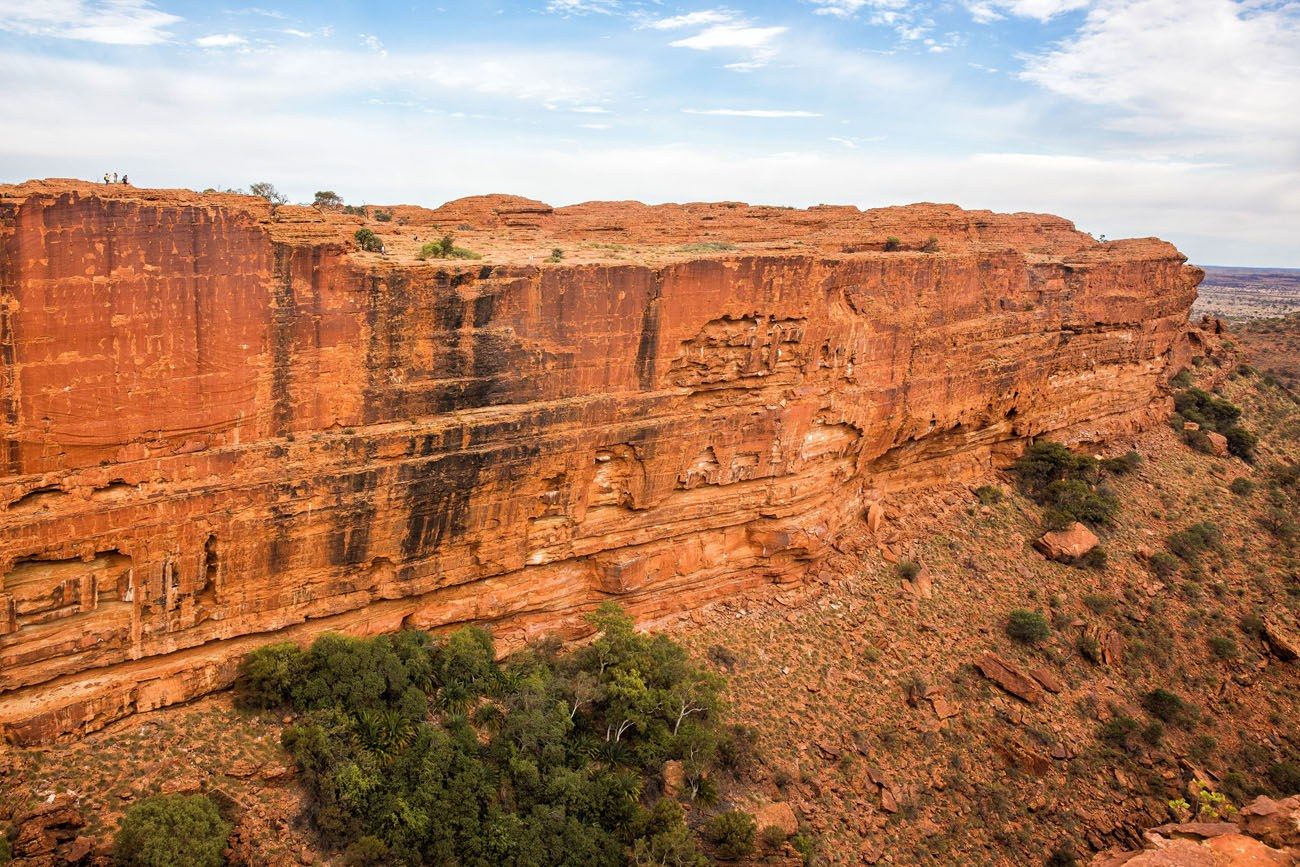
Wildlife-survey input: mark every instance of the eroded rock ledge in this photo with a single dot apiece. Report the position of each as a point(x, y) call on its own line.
point(222, 425)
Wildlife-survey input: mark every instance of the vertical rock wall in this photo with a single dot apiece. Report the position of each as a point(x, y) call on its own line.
point(221, 428)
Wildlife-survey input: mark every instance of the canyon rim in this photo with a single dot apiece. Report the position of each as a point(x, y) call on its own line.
point(224, 425)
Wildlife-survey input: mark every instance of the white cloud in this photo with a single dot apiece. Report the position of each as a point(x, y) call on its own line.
point(374, 44)
point(112, 22)
point(692, 19)
point(750, 112)
point(730, 36)
point(220, 40)
point(583, 7)
point(1213, 74)
point(986, 11)
point(849, 8)
point(589, 109)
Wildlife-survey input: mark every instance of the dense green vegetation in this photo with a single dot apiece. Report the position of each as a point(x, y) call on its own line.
point(421, 751)
point(1211, 413)
point(1068, 486)
point(166, 830)
point(445, 248)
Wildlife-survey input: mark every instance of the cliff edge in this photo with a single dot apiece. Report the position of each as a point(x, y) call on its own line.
point(224, 425)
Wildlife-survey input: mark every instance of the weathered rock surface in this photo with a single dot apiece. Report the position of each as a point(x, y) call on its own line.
point(1020, 684)
point(223, 426)
point(1068, 544)
point(1263, 835)
point(1283, 638)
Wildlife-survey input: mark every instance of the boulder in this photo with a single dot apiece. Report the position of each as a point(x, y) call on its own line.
point(1218, 443)
point(777, 815)
point(1276, 823)
point(1068, 544)
point(1010, 678)
point(1282, 639)
point(875, 515)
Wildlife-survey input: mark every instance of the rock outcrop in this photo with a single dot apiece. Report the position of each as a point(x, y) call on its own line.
point(1067, 545)
point(1265, 834)
point(221, 425)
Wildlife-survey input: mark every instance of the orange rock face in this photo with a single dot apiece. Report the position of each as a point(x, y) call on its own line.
point(223, 426)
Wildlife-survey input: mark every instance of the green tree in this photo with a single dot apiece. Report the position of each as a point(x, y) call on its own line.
point(169, 830)
point(327, 200)
point(267, 191)
point(368, 241)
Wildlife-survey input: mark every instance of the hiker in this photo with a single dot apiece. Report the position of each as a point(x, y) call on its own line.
point(114, 177)
point(105, 177)
point(124, 179)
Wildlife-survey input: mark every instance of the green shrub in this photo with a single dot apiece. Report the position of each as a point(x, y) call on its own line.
point(1027, 627)
point(773, 836)
point(1205, 409)
point(1094, 559)
point(1279, 522)
point(167, 830)
point(1241, 443)
point(368, 241)
point(1163, 564)
point(1062, 856)
point(931, 245)
point(1064, 484)
point(1098, 603)
point(1285, 777)
point(5, 853)
point(1191, 543)
point(1122, 465)
point(989, 495)
point(445, 248)
point(805, 846)
point(1251, 624)
point(732, 835)
point(1166, 706)
point(384, 216)
point(1182, 379)
point(1119, 732)
point(267, 676)
point(907, 570)
point(1242, 486)
point(367, 852)
point(1223, 647)
point(557, 254)
point(892, 243)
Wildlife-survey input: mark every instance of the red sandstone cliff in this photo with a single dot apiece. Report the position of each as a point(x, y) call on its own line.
point(223, 426)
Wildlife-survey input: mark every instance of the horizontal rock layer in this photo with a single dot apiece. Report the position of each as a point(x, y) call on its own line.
point(223, 426)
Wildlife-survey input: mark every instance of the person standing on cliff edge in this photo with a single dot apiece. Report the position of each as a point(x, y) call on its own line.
point(124, 179)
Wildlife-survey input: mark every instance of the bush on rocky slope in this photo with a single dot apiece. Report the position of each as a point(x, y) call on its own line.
point(433, 752)
point(172, 829)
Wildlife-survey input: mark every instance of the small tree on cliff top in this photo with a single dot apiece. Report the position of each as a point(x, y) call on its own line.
point(328, 200)
point(267, 190)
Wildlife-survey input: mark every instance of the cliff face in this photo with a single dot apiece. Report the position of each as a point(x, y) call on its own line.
point(223, 426)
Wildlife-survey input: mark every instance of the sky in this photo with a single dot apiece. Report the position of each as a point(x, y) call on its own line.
point(1174, 118)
